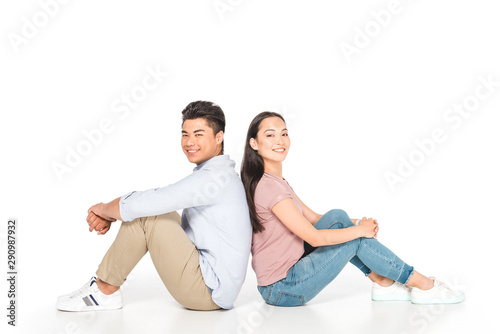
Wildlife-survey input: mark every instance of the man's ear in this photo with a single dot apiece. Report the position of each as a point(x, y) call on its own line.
point(253, 144)
point(219, 137)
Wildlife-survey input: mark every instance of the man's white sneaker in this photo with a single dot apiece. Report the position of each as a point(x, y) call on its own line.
point(440, 293)
point(90, 298)
point(394, 292)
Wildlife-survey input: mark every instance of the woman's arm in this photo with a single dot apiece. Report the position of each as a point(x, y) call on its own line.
point(290, 216)
point(309, 214)
point(312, 216)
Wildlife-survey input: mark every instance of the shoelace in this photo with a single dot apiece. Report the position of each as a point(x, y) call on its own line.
point(84, 290)
point(443, 284)
point(406, 287)
point(447, 287)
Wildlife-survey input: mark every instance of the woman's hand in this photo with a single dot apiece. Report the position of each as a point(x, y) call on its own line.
point(369, 227)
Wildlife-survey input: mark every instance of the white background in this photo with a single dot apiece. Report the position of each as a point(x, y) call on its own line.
point(350, 122)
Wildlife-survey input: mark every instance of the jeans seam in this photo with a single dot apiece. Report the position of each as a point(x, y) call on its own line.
point(281, 293)
point(369, 270)
point(320, 268)
point(393, 263)
point(270, 293)
point(337, 222)
point(409, 275)
point(379, 254)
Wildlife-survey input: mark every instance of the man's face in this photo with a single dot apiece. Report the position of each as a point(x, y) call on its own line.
point(199, 143)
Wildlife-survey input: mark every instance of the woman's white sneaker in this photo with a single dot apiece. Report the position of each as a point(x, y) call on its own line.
point(89, 298)
point(440, 293)
point(394, 292)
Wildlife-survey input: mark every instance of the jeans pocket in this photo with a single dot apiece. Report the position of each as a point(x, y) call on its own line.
point(287, 299)
point(265, 292)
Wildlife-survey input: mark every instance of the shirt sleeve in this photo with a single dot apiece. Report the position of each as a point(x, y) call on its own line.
point(278, 198)
point(270, 193)
point(189, 192)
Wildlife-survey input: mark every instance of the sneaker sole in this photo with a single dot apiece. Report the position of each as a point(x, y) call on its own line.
point(68, 306)
point(88, 308)
point(388, 298)
point(454, 300)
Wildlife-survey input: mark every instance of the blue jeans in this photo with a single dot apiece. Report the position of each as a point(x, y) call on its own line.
point(313, 272)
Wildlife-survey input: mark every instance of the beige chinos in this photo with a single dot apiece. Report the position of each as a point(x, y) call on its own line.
point(174, 255)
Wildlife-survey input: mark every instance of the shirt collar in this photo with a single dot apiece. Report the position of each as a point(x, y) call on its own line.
point(271, 175)
point(210, 161)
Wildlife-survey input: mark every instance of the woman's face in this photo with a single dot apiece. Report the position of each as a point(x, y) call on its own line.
point(272, 142)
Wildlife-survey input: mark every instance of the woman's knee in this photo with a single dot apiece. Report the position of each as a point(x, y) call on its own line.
point(339, 216)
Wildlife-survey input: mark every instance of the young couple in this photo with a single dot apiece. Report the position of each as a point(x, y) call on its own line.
point(202, 256)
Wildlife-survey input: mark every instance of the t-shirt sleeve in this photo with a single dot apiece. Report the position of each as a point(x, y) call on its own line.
point(269, 193)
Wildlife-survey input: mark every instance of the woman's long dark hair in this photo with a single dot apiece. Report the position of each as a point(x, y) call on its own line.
point(252, 167)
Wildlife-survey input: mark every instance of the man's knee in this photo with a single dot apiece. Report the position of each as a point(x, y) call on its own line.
point(164, 220)
point(171, 216)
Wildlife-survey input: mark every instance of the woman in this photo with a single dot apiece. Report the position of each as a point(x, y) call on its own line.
point(289, 271)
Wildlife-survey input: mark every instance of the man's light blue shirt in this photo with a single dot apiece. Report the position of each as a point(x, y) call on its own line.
point(215, 218)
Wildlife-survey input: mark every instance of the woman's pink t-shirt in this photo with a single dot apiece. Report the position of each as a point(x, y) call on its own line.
point(276, 249)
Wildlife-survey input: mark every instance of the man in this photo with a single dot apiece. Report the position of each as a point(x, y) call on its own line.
point(202, 257)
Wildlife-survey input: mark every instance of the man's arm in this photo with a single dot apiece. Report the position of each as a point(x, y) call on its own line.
point(198, 189)
point(101, 215)
point(98, 224)
point(108, 211)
